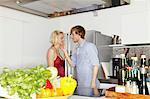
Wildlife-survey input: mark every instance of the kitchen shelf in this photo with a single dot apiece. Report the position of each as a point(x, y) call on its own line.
point(116, 45)
point(130, 45)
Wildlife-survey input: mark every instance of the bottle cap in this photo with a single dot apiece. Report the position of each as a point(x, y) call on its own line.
point(122, 56)
point(134, 58)
point(143, 56)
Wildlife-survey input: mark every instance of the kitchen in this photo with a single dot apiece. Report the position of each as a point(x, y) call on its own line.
point(24, 38)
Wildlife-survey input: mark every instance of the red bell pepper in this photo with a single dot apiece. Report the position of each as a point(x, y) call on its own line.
point(48, 84)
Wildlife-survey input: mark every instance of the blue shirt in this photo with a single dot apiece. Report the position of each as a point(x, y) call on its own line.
point(85, 57)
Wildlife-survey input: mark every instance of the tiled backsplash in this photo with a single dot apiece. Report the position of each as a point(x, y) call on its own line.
point(134, 51)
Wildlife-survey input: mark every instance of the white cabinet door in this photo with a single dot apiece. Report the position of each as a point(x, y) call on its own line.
point(1, 42)
point(36, 42)
point(149, 24)
point(12, 42)
point(134, 28)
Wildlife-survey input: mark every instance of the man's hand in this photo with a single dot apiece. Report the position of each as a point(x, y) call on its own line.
point(95, 90)
point(93, 85)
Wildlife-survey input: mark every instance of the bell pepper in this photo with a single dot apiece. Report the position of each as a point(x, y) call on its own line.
point(48, 84)
point(68, 85)
point(44, 93)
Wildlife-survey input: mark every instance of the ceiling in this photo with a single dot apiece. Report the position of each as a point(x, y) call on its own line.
point(55, 8)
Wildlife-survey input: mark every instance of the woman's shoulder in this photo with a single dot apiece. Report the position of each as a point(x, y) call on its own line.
point(51, 50)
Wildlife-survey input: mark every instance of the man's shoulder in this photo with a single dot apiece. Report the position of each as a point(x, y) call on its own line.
point(89, 44)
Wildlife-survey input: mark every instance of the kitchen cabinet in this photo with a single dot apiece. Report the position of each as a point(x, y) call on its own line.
point(1, 47)
point(11, 41)
point(35, 42)
point(24, 40)
point(135, 22)
point(135, 28)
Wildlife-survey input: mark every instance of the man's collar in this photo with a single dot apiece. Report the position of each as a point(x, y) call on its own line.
point(81, 43)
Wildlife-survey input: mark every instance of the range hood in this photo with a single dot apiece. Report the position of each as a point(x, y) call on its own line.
point(55, 8)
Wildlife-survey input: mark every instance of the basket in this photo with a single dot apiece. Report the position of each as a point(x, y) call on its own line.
point(57, 97)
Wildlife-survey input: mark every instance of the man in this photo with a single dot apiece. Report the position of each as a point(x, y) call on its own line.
point(85, 58)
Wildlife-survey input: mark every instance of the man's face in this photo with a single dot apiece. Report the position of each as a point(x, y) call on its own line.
point(75, 37)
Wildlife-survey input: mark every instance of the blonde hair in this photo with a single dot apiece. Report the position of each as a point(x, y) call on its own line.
point(54, 37)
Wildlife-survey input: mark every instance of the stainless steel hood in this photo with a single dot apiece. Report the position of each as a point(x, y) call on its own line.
point(55, 8)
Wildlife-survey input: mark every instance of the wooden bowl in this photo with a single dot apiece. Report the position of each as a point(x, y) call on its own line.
point(57, 97)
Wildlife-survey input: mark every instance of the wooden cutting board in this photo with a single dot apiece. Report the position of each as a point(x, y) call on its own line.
point(117, 95)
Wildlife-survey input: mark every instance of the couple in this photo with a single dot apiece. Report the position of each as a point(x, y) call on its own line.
point(84, 58)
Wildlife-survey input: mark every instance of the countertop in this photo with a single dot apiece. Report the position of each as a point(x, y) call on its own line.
point(84, 97)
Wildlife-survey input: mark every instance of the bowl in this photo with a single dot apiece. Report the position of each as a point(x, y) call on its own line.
point(57, 97)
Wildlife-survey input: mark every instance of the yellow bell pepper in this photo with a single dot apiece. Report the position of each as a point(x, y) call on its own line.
point(68, 85)
point(44, 93)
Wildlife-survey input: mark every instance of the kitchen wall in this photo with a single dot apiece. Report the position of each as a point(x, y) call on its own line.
point(24, 38)
point(106, 21)
point(125, 21)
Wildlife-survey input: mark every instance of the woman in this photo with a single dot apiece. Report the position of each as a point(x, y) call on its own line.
point(53, 56)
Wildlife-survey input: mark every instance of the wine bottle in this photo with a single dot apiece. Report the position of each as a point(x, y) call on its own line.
point(143, 85)
point(122, 71)
point(143, 60)
point(143, 89)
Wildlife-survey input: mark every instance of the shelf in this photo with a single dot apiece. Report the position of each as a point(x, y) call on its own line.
point(126, 45)
point(130, 45)
point(116, 45)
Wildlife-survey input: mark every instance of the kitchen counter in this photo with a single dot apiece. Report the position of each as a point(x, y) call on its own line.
point(84, 97)
point(83, 94)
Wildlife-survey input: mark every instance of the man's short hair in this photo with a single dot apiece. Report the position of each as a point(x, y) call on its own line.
point(78, 30)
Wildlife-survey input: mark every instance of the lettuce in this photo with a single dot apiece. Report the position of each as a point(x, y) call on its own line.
point(25, 81)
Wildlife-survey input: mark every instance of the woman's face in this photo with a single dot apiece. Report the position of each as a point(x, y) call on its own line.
point(61, 39)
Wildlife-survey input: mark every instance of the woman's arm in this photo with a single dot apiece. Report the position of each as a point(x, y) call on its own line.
point(50, 57)
point(67, 57)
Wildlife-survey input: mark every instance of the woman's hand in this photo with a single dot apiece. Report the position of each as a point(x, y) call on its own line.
point(63, 48)
point(67, 56)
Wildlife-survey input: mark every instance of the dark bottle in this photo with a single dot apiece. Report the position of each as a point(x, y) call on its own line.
point(143, 60)
point(122, 70)
point(116, 62)
point(143, 89)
